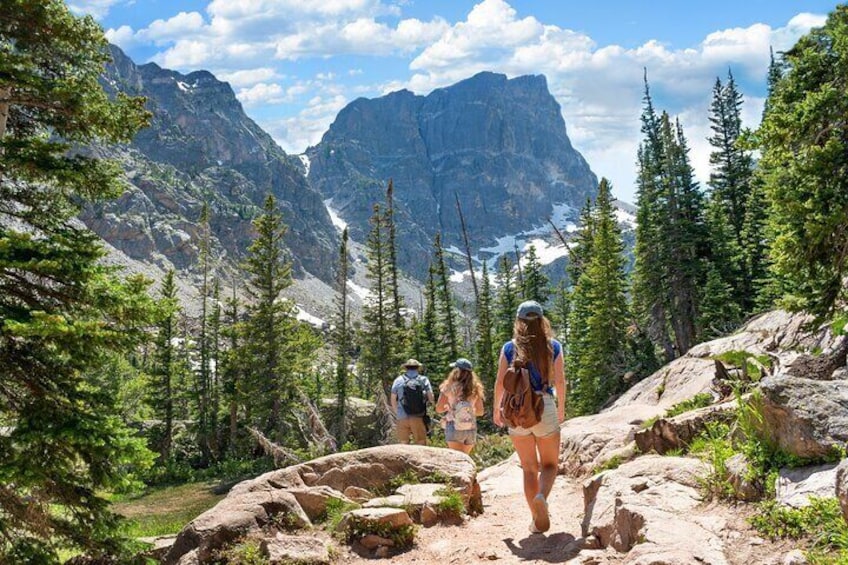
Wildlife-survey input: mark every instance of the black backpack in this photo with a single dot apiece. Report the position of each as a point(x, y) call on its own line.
point(414, 397)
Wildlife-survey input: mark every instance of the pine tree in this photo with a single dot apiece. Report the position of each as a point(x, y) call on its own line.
point(378, 361)
point(597, 353)
point(202, 386)
point(63, 314)
point(269, 325)
point(731, 184)
point(536, 282)
point(397, 303)
point(215, 326)
point(342, 342)
point(506, 302)
point(802, 140)
point(561, 309)
point(166, 364)
point(650, 289)
point(426, 340)
point(581, 249)
point(671, 237)
point(445, 308)
point(487, 366)
point(685, 238)
point(232, 369)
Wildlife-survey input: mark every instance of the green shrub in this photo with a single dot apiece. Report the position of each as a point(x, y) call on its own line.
point(820, 523)
point(451, 502)
point(403, 536)
point(612, 463)
point(491, 449)
point(714, 447)
point(700, 400)
point(748, 362)
point(245, 552)
point(335, 511)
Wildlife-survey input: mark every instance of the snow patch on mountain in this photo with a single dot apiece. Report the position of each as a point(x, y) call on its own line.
point(334, 215)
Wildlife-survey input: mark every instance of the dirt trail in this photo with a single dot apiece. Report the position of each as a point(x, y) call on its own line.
point(501, 532)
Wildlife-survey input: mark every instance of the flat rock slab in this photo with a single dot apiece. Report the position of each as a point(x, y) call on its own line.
point(650, 501)
point(394, 517)
point(284, 549)
point(805, 417)
point(794, 487)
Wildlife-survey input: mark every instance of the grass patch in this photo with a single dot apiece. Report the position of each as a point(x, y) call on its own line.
point(612, 463)
point(700, 400)
point(246, 552)
point(163, 511)
point(451, 503)
point(714, 447)
point(820, 524)
point(751, 365)
point(335, 511)
point(491, 449)
point(403, 536)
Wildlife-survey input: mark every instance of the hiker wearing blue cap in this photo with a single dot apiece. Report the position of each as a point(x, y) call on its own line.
point(535, 348)
point(461, 397)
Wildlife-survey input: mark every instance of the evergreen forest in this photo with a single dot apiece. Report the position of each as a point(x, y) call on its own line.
point(110, 384)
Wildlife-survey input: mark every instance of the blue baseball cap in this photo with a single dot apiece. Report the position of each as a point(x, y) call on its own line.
point(462, 363)
point(529, 309)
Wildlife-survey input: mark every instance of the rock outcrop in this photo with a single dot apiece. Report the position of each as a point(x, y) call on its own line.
point(296, 497)
point(647, 504)
point(805, 403)
point(202, 148)
point(497, 145)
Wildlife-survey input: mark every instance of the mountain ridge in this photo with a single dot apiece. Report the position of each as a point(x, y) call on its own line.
point(497, 145)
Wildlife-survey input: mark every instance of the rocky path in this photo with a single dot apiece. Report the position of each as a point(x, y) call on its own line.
point(501, 533)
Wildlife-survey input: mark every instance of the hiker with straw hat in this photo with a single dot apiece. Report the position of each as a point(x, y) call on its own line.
point(411, 392)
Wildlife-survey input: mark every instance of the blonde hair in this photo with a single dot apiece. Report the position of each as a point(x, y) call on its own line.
point(467, 383)
point(532, 338)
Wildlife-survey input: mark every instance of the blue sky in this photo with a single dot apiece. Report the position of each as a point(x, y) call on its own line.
point(295, 63)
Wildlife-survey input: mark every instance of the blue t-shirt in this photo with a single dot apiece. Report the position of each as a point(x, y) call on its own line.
point(535, 375)
point(397, 389)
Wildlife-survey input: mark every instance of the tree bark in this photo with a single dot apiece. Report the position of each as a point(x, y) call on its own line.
point(5, 92)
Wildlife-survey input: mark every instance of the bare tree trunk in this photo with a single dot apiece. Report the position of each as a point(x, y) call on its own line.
point(317, 429)
point(468, 252)
point(280, 454)
point(5, 92)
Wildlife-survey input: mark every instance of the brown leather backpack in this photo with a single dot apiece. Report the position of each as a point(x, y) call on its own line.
point(521, 406)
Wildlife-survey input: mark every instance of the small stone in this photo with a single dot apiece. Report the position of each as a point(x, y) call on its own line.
point(429, 516)
point(358, 494)
point(794, 557)
point(373, 541)
point(756, 541)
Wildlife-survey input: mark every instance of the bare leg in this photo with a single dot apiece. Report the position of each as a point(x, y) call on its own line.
point(460, 446)
point(549, 462)
point(525, 446)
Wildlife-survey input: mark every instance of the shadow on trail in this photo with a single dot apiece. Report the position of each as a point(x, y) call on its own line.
point(556, 548)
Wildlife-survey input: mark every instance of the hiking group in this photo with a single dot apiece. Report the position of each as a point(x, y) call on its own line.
point(529, 399)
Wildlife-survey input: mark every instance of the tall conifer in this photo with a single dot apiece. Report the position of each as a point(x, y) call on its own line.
point(63, 313)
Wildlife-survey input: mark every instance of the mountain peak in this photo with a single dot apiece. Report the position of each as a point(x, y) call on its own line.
point(499, 145)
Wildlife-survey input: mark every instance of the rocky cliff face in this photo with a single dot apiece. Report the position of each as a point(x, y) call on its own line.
point(499, 146)
point(201, 147)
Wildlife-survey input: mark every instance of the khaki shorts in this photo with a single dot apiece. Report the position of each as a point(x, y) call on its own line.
point(548, 424)
point(412, 426)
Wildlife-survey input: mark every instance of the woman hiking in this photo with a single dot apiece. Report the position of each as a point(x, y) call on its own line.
point(538, 446)
point(461, 397)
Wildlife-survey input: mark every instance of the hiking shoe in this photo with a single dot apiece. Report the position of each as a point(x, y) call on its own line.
point(541, 519)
